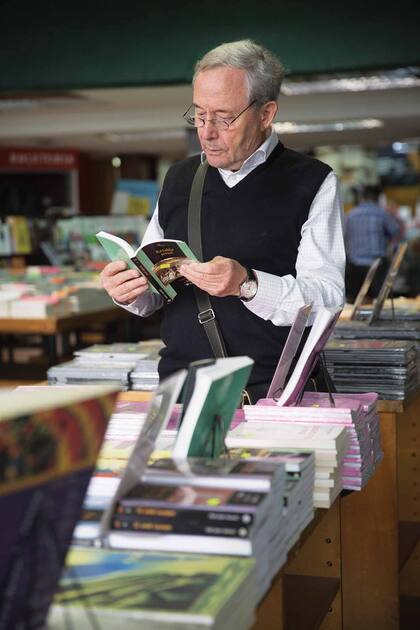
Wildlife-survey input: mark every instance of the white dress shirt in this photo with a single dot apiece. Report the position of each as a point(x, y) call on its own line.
point(320, 261)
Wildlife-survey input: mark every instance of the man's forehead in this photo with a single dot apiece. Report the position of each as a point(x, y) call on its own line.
point(220, 87)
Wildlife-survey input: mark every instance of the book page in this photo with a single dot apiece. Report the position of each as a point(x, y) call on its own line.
point(116, 248)
point(322, 328)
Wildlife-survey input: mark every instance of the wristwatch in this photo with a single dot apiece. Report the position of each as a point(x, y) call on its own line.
point(248, 288)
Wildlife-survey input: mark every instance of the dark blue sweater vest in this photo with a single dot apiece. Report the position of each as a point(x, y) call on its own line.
point(258, 222)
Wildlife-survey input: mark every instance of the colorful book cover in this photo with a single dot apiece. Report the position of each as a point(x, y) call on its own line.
point(46, 459)
point(171, 587)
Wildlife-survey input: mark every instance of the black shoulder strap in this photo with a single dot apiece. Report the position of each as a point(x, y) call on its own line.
point(206, 315)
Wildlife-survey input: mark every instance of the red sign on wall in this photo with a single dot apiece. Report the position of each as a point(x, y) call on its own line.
point(20, 159)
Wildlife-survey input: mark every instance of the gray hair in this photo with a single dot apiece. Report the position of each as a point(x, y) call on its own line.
point(264, 70)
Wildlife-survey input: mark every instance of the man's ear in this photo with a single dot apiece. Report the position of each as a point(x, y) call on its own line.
point(268, 113)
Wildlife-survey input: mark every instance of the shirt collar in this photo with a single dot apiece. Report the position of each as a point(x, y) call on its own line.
point(258, 157)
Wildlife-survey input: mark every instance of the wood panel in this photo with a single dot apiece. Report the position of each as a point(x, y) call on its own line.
point(270, 610)
point(409, 464)
point(307, 600)
point(333, 620)
point(320, 553)
point(410, 574)
point(369, 540)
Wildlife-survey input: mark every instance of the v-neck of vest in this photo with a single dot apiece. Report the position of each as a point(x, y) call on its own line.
point(279, 148)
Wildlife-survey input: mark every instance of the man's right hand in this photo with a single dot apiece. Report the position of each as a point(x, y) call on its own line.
point(122, 285)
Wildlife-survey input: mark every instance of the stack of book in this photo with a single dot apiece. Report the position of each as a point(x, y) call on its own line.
point(82, 372)
point(115, 362)
point(155, 590)
point(124, 432)
point(386, 366)
point(363, 451)
point(330, 443)
point(144, 376)
point(298, 503)
point(242, 470)
point(220, 506)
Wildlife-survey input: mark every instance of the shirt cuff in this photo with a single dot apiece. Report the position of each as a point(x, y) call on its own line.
point(264, 302)
point(145, 305)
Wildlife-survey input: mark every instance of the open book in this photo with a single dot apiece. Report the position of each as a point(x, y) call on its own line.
point(216, 395)
point(322, 328)
point(363, 291)
point(289, 351)
point(49, 442)
point(387, 285)
point(158, 261)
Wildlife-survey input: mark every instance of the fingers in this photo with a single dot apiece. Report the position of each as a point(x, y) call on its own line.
point(122, 284)
point(220, 276)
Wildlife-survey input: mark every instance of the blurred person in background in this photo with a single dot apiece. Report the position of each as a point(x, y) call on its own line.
point(393, 208)
point(369, 232)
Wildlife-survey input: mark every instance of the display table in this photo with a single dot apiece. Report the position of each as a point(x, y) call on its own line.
point(55, 331)
point(345, 570)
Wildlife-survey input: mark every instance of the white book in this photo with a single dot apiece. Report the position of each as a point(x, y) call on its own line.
point(179, 542)
point(266, 434)
point(321, 330)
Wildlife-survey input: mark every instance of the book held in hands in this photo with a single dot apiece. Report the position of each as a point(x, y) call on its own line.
point(158, 261)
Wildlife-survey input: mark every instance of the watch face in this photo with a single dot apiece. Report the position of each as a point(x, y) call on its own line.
point(248, 289)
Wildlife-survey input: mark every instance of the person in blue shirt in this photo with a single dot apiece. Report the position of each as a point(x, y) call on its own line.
point(369, 230)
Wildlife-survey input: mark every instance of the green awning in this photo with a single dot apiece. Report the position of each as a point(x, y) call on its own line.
point(60, 45)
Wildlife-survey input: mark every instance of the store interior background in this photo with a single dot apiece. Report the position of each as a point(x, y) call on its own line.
point(107, 83)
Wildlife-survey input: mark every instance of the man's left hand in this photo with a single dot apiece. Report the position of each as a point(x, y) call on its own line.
point(220, 276)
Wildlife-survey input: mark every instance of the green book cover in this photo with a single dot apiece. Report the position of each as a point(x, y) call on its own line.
point(149, 585)
point(217, 393)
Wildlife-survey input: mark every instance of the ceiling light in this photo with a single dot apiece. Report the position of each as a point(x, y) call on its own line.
point(138, 136)
point(26, 101)
point(395, 79)
point(345, 125)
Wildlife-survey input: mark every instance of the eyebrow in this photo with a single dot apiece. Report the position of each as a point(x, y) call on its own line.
point(218, 111)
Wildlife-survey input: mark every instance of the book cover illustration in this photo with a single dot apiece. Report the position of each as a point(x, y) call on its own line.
point(153, 585)
point(167, 257)
point(46, 460)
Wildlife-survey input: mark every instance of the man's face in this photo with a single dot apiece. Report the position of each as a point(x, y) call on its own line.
point(223, 93)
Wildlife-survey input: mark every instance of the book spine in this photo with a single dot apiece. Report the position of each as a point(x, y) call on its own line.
point(180, 525)
point(151, 279)
point(205, 515)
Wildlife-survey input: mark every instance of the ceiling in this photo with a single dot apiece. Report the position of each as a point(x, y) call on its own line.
point(148, 120)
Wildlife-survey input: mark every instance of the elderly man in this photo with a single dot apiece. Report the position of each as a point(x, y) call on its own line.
point(271, 221)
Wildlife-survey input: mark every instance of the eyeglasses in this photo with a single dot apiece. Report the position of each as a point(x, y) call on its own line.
point(219, 123)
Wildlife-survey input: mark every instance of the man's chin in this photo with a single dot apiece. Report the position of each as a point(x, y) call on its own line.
point(216, 160)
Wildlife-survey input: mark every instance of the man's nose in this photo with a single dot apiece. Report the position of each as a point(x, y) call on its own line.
point(209, 130)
